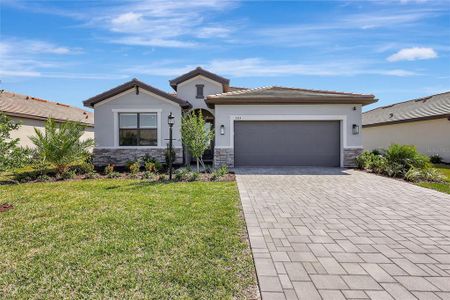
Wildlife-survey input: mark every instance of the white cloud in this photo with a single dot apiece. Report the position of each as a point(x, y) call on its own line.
point(415, 53)
point(24, 46)
point(258, 67)
point(161, 23)
point(214, 32)
point(153, 42)
point(127, 18)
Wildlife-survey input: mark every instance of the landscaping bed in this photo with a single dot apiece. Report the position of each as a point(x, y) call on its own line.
point(124, 238)
point(405, 162)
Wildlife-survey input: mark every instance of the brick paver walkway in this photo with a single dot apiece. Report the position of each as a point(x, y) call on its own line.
point(320, 233)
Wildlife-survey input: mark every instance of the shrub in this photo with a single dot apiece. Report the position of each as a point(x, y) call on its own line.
point(182, 174)
point(151, 176)
point(194, 176)
point(113, 175)
point(83, 168)
point(60, 144)
point(219, 173)
point(11, 155)
point(401, 158)
point(134, 167)
point(435, 159)
point(150, 166)
point(69, 174)
point(364, 160)
point(91, 175)
point(147, 159)
point(427, 174)
point(162, 177)
point(109, 169)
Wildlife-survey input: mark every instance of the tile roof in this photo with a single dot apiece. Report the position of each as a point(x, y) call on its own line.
point(236, 88)
point(277, 94)
point(34, 108)
point(435, 106)
point(131, 84)
point(198, 71)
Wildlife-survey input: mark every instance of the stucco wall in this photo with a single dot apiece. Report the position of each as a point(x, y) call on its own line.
point(430, 137)
point(224, 113)
point(187, 91)
point(106, 129)
point(27, 129)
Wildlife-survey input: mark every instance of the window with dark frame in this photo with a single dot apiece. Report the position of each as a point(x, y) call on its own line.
point(138, 129)
point(200, 88)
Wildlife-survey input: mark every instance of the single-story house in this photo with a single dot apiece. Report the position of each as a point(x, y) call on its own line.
point(265, 126)
point(423, 122)
point(33, 112)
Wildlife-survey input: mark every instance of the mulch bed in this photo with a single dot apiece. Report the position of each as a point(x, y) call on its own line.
point(5, 207)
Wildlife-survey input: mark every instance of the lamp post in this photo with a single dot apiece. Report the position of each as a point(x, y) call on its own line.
point(170, 121)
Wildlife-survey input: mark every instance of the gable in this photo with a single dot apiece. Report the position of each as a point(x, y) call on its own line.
point(196, 72)
point(136, 86)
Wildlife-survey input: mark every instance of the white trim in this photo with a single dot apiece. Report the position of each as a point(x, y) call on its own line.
point(136, 110)
point(199, 77)
point(132, 89)
point(342, 118)
point(354, 147)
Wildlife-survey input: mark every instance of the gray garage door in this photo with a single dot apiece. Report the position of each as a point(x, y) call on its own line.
point(287, 143)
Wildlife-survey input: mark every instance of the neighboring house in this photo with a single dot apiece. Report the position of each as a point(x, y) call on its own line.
point(423, 122)
point(32, 113)
point(267, 126)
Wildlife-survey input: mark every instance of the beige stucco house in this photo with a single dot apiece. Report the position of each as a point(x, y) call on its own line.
point(423, 122)
point(267, 126)
point(32, 113)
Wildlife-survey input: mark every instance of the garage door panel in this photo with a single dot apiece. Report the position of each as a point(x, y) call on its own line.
point(284, 143)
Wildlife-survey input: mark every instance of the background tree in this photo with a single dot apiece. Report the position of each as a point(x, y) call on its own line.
point(11, 155)
point(196, 136)
point(61, 144)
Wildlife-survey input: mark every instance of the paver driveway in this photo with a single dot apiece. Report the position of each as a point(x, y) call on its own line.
point(320, 233)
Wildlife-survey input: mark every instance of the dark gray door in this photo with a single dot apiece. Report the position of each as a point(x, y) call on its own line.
point(287, 143)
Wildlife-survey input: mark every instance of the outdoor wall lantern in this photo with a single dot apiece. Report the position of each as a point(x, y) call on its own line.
point(355, 129)
point(222, 129)
point(170, 121)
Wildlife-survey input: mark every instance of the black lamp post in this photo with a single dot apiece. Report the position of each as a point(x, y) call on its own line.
point(170, 121)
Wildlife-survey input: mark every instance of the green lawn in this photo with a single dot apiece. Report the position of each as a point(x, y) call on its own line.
point(124, 239)
point(442, 187)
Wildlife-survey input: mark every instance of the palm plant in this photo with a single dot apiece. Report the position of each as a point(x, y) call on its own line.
point(60, 144)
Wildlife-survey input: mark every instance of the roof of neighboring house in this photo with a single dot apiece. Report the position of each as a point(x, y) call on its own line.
point(198, 71)
point(431, 107)
point(134, 83)
point(285, 95)
point(23, 106)
point(236, 88)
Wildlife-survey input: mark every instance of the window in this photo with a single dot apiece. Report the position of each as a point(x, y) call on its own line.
point(200, 91)
point(138, 129)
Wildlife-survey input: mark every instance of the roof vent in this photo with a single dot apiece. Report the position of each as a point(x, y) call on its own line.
point(391, 115)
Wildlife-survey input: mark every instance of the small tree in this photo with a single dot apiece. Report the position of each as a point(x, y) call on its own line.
point(61, 144)
point(195, 135)
point(11, 155)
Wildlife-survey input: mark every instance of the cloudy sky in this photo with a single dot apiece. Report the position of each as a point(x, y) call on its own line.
point(68, 51)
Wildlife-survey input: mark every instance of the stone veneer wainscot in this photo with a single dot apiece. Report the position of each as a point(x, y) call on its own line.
point(121, 156)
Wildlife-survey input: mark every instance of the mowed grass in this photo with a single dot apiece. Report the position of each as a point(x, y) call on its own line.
point(124, 239)
point(442, 187)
